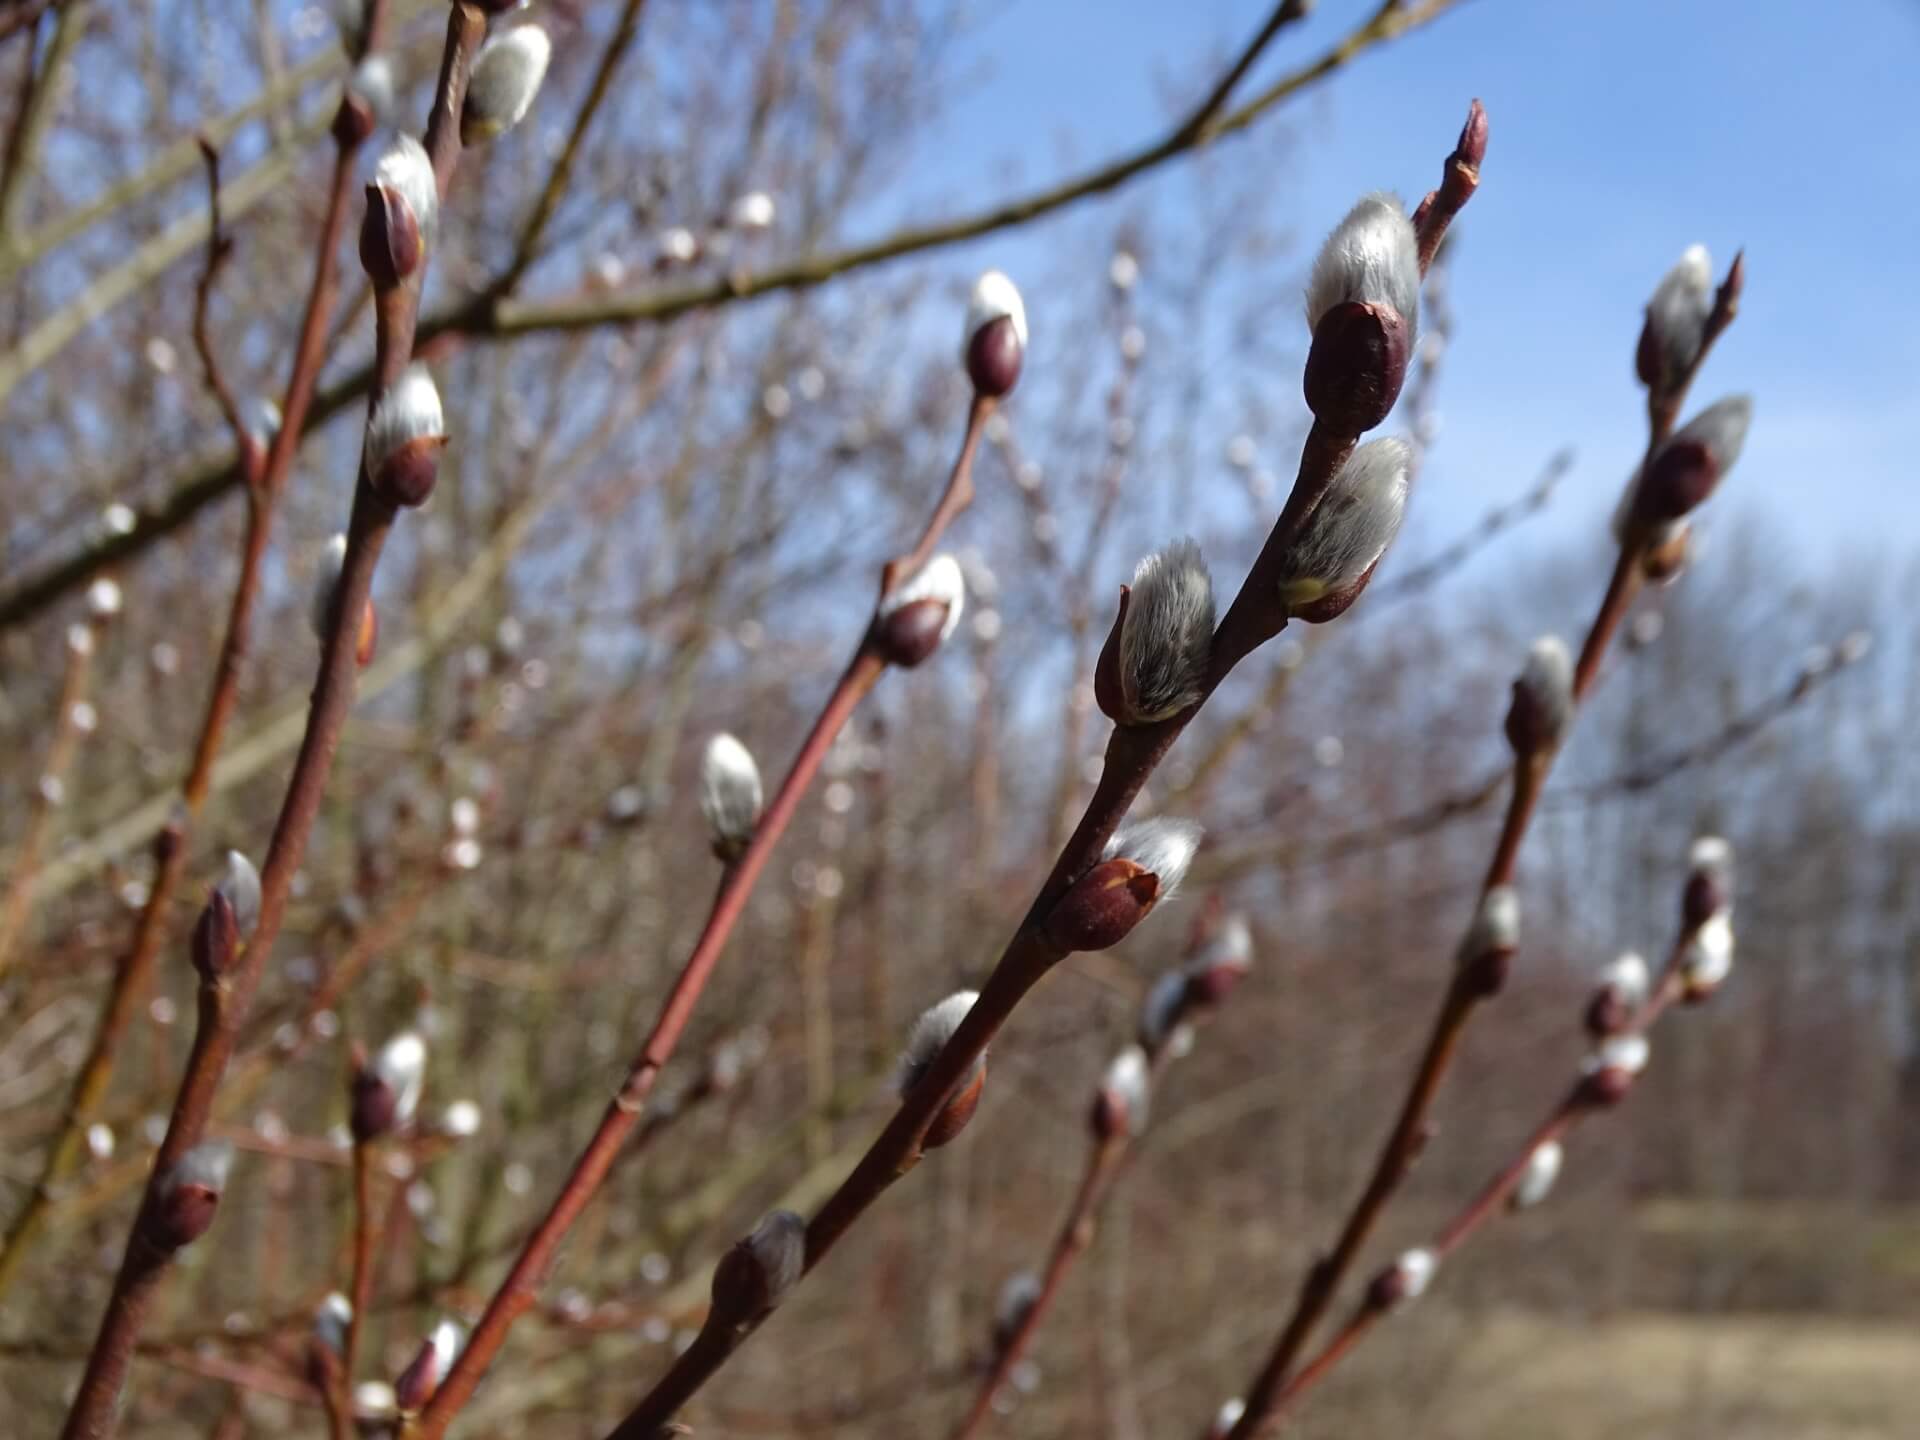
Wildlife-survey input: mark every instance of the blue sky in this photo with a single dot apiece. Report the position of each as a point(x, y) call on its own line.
point(1622, 132)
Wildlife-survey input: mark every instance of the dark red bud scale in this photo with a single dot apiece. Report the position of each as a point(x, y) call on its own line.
point(1356, 365)
point(390, 247)
point(955, 1114)
point(1103, 906)
point(909, 634)
point(406, 476)
point(216, 938)
point(1681, 476)
point(994, 355)
point(1334, 603)
point(1108, 692)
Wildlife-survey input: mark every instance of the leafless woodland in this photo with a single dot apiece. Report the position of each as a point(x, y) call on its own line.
point(700, 386)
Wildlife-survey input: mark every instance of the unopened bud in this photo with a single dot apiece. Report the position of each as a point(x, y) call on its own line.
point(1162, 1011)
point(1623, 989)
point(1120, 1104)
point(188, 1194)
point(386, 1090)
point(920, 612)
point(1676, 323)
point(1709, 888)
point(1486, 951)
point(1333, 558)
point(1019, 1293)
point(1536, 1181)
point(1363, 306)
point(403, 204)
point(1142, 865)
point(216, 938)
point(1542, 707)
point(506, 76)
point(929, 1037)
point(995, 342)
point(1155, 661)
point(1221, 963)
point(1403, 1281)
point(756, 1274)
point(730, 795)
point(1610, 1071)
point(1692, 462)
point(405, 436)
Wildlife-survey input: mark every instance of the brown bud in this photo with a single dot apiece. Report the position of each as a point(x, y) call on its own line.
point(216, 938)
point(1103, 906)
point(955, 1114)
point(353, 122)
point(1356, 365)
point(187, 1196)
point(753, 1276)
point(406, 475)
point(390, 240)
point(994, 356)
point(909, 634)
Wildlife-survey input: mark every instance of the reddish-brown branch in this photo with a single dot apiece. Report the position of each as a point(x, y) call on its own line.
point(518, 1291)
point(226, 999)
point(264, 477)
point(1074, 1237)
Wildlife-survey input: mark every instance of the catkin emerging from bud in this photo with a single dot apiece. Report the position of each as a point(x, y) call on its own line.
point(1120, 1104)
point(1542, 707)
point(405, 435)
point(1709, 887)
point(1405, 1280)
point(1692, 463)
point(386, 1090)
point(918, 614)
point(1332, 560)
point(1018, 1295)
point(188, 1194)
point(730, 795)
point(1166, 637)
point(930, 1034)
point(1371, 258)
point(994, 344)
point(506, 76)
point(1676, 322)
point(1536, 1181)
point(1487, 949)
point(1363, 306)
point(756, 1274)
point(403, 206)
point(1143, 864)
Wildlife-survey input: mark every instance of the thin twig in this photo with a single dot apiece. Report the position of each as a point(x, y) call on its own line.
point(518, 1290)
point(226, 998)
point(493, 317)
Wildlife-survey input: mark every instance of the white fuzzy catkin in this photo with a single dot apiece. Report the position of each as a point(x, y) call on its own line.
point(405, 170)
point(1627, 979)
point(372, 84)
point(1677, 313)
point(1352, 526)
point(730, 793)
point(1495, 925)
point(1372, 258)
point(1227, 1417)
point(1160, 1011)
point(326, 579)
point(1018, 1292)
point(929, 1037)
point(409, 411)
point(506, 76)
point(401, 1066)
point(1536, 1181)
point(1127, 1081)
point(1166, 640)
point(1625, 1053)
point(1162, 846)
point(1230, 948)
point(1708, 958)
point(330, 1321)
point(939, 579)
point(207, 1165)
point(1721, 429)
point(994, 295)
point(1547, 682)
point(241, 885)
point(1415, 1269)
